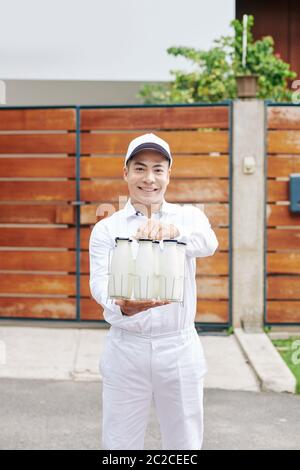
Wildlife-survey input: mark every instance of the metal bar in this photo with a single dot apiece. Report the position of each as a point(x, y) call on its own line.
point(77, 204)
point(230, 286)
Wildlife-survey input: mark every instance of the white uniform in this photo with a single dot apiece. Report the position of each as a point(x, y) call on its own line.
point(156, 353)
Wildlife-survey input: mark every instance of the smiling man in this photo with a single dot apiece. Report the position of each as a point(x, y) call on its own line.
point(152, 348)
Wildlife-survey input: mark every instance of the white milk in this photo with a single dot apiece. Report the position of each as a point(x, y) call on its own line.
point(120, 283)
point(144, 271)
point(156, 255)
point(169, 286)
point(181, 263)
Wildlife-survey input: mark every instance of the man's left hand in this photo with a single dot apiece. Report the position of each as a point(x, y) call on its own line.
point(157, 231)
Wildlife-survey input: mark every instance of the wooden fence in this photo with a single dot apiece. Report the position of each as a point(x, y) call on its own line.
point(282, 226)
point(58, 165)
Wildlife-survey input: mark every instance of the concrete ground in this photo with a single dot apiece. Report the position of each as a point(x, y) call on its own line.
point(47, 414)
point(50, 391)
point(74, 354)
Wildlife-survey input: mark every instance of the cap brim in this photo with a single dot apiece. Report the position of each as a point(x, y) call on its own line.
point(150, 146)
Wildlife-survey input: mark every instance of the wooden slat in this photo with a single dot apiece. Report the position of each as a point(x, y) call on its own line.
point(213, 265)
point(284, 117)
point(109, 190)
point(37, 119)
point(38, 284)
point(281, 215)
point(210, 311)
point(155, 118)
point(185, 166)
point(283, 239)
point(283, 311)
point(283, 263)
point(284, 142)
point(217, 213)
point(38, 190)
point(282, 165)
point(39, 237)
point(14, 167)
point(212, 287)
point(37, 214)
point(180, 142)
point(54, 308)
point(38, 260)
point(37, 143)
point(283, 287)
point(278, 191)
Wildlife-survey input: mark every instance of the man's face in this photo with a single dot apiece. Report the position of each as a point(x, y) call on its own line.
point(148, 176)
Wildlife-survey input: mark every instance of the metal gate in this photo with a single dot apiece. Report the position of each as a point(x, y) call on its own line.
point(59, 165)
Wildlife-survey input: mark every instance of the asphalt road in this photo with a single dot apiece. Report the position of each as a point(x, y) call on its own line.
point(43, 414)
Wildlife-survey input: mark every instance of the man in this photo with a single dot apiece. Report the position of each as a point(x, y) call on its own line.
point(152, 349)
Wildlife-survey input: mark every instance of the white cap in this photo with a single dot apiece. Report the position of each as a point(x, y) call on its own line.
point(148, 142)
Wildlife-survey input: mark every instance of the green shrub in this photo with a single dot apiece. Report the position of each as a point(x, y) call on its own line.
point(214, 77)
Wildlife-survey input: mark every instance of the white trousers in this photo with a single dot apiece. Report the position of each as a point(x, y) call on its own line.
point(137, 369)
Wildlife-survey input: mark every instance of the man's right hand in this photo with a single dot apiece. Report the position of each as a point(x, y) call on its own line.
point(131, 307)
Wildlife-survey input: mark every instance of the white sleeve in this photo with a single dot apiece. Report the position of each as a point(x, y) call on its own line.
point(99, 247)
point(195, 230)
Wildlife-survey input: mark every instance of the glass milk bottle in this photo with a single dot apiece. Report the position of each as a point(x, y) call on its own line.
point(144, 271)
point(181, 263)
point(169, 288)
point(121, 270)
point(156, 257)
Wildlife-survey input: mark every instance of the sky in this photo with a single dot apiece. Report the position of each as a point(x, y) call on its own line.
point(119, 40)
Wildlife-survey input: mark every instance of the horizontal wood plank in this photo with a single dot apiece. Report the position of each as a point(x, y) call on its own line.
point(35, 167)
point(283, 142)
point(183, 117)
point(181, 142)
point(279, 166)
point(283, 287)
point(211, 311)
point(279, 215)
point(51, 237)
point(53, 284)
point(283, 263)
point(213, 265)
point(283, 239)
point(278, 191)
point(184, 166)
point(37, 143)
point(38, 191)
point(180, 191)
point(283, 117)
point(38, 119)
point(37, 214)
point(283, 311)
point(25, 307)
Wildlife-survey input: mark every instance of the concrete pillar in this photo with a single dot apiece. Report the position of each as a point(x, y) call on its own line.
point(248, 200)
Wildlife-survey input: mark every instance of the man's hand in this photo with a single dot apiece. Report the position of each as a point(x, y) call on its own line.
point(131, 307)
point(157, 231)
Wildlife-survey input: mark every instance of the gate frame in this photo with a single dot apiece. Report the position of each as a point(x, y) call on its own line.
point(270, 103)
point(200, 327)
